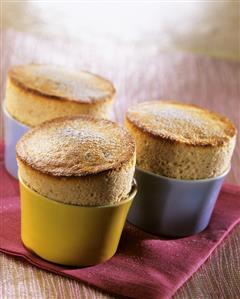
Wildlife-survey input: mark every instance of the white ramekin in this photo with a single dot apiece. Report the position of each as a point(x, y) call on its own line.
point(13, 130)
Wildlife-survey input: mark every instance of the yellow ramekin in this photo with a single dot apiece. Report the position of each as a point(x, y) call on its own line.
point(69, 234)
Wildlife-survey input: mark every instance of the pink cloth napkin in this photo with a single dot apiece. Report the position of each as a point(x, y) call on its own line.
point(145, 266)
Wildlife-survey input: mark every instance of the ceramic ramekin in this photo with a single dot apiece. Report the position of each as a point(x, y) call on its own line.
point(13, 130)
point(69, 234)
point(172, 207)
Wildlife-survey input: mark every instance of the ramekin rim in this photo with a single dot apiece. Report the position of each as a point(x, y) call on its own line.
point(183, 180)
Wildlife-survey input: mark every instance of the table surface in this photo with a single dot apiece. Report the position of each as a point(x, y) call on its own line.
point(139, 73)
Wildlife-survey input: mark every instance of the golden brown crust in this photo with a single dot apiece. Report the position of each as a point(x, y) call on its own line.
point(59, 83)
point(180, 123)
point(32, 110)
point(76, 146)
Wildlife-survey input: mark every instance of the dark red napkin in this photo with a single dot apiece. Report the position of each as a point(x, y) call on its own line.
point(145, 266)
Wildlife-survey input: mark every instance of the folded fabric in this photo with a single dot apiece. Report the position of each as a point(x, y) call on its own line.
point(145, 266)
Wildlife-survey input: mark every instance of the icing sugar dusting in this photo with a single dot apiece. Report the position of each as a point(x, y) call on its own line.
point(78, 146)
point(83, 135)
point(181, 122)
point(176, 114)
point(62, 82)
